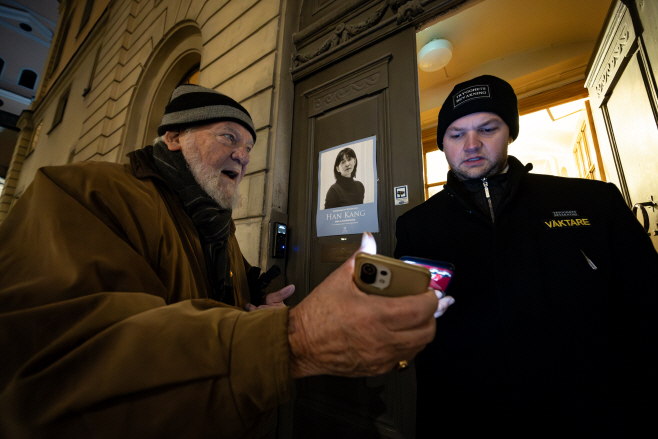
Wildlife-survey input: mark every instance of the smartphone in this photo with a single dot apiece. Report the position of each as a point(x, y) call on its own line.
point(384, 276)
point(441, 272)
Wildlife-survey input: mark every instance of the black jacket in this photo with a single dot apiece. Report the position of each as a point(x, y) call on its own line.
point(534, 323)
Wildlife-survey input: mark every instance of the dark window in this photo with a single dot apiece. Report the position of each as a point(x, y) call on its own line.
point(62, 40)
point(86, 14)
point(28, 79)
point(93, 73)
point(61, 107)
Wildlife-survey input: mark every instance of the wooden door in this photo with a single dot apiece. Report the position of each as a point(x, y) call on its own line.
point(622, 86)
point(372, 92)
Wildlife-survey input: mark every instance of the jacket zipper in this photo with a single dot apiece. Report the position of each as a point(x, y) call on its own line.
point(589, 261)
point(486, 192)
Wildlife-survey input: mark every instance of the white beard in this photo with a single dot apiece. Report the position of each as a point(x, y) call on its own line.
point(209, 178)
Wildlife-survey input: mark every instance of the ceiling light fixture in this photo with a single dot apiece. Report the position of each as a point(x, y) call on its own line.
point(435, 55)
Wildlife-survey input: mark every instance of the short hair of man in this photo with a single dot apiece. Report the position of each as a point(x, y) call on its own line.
point(349, 154)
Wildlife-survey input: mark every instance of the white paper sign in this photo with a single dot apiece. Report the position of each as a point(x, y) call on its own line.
point(347, 204)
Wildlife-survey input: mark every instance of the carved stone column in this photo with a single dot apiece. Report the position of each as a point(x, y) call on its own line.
point(26, 125)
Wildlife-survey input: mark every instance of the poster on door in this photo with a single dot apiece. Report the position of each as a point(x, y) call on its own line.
point(347, 189)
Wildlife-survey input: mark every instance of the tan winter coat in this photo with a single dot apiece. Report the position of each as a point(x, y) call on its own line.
point(105, 325)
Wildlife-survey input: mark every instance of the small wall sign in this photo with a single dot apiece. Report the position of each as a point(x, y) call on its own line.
point(401, 195)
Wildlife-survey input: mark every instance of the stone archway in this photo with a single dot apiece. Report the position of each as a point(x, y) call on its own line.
point(177, 53)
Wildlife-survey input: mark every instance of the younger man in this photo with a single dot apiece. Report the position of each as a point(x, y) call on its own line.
point(555, 282)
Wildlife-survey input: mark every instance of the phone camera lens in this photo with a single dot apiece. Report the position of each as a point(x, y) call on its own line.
point(368, 273)
point(384, 273)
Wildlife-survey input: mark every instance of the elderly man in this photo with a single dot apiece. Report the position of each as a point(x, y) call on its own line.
point(122, 288)
point(555, 285)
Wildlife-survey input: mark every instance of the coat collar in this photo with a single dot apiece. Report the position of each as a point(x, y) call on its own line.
point(141, 163)
point(458, 190)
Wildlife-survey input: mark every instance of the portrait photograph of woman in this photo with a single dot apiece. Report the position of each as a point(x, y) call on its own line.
point(347, 175)
point(346, 191)
point(347, 188)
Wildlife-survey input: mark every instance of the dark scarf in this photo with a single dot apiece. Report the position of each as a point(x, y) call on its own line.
point(212, 222)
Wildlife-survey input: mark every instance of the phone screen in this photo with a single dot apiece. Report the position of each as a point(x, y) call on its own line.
point(441, 271)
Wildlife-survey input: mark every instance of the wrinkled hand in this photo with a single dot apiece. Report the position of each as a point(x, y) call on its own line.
point(273, 300)
point(339, 330)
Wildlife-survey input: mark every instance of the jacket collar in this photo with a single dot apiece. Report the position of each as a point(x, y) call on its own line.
point(141, 162)
point(143, 167)
point(517, 172)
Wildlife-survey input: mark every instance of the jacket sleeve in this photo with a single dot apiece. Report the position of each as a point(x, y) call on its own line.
point(402, 239)
point(93, 344)
point(630, 242)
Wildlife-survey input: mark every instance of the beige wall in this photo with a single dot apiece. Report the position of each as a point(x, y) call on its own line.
point(75, 38)
point(142, 43)
point(54, 144)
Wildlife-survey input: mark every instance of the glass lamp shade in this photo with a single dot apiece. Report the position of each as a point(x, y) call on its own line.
point(435, 55)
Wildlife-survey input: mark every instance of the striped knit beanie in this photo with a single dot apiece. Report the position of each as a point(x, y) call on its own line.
point(193, 105)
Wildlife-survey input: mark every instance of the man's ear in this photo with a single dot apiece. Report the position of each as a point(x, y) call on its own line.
point(172, 139)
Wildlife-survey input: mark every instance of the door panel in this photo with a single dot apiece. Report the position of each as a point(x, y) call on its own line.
point(328, 252)
point(371, 93)
point(636, 135)
point(622, 89)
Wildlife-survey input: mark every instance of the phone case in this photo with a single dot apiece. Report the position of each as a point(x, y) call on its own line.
point(441, 272)
point(430, 262)
point(405, 279)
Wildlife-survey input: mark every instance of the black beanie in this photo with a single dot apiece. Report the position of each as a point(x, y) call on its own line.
point(193, 105)
point(482, 94)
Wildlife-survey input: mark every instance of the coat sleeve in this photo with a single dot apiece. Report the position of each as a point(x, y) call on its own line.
point(402, 245)
point(630, 242)
point(93, 344)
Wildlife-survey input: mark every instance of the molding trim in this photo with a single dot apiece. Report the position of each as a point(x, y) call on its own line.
point(405, 10)
point(349, 86)
point(615, 15)
point(317, 27)
point(428, 137)
point(15, 97)
point(618, 43)
point(345, 92)
point(378, 32)
point(550, 98)
point(623, 186)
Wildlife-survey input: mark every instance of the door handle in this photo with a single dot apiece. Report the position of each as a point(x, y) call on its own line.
point(645, 214)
